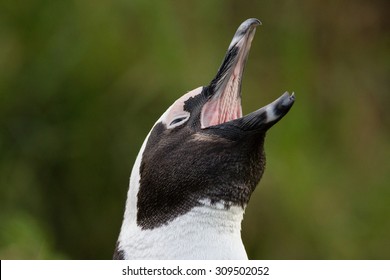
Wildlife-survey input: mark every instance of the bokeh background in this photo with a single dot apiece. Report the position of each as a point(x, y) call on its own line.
point(82, 82)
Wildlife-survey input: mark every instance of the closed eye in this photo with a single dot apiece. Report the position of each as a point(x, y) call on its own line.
point(177, 120)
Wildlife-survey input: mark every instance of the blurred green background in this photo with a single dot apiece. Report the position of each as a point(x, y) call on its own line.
point(82, 82)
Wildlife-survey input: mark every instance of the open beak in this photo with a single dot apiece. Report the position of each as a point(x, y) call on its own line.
point(224, 92)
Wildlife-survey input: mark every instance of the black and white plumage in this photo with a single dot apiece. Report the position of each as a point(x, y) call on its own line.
point(198, 167)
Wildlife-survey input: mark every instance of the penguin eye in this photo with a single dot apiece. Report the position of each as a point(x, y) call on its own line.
point(175, 121)
point(178, 121)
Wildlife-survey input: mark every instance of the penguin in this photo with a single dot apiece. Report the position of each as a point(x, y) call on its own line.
point(197, 168)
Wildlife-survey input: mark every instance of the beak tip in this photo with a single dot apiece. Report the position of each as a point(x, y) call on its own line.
point(246, 27)
point(250, 23)
point(287, 99)
point(256, 21)
point(292, 97)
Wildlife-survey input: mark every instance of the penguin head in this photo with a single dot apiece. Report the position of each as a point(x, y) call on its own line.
point(203, 151)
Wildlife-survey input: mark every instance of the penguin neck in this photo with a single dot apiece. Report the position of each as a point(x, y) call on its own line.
point(205, 232)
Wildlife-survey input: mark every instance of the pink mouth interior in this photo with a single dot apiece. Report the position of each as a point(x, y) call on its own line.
point(225, 105)
point(224, 108)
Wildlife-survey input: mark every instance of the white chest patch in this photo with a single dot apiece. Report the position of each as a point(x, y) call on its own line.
point(203, 233)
